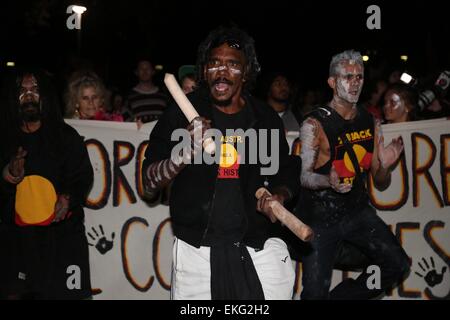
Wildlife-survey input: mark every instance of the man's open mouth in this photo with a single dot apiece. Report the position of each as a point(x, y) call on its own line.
point(221, 87)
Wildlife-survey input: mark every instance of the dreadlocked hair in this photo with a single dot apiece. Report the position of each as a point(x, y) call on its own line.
point(10, 123)
point(229, 35)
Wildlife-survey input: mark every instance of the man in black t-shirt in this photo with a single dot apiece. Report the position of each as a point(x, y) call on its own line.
point(340, 145)
point(224, 248)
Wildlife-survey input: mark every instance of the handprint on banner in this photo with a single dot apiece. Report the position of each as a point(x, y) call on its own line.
point(431, 277)
point(103, 245)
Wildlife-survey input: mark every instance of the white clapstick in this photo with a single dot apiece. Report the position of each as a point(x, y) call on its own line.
point(301, 230)
point(186, 107)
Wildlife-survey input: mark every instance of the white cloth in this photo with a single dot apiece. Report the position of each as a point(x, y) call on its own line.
point(191, 271)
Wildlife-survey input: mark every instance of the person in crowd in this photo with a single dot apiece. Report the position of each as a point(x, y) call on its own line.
point(341, 143)
point(46, 176)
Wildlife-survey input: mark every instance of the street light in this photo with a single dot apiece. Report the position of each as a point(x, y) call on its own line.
point(74, 22)
point(79, 10)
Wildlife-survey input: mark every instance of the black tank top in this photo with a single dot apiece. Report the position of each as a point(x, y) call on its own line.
point(328, 206)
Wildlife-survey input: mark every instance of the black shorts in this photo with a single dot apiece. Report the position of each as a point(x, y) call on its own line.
point(45, 262)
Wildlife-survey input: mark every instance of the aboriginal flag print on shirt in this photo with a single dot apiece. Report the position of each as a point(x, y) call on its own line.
point(361, 141)
point(50, 170)
point(36, 194)
point(35, 201)
point(226, 223)
point(229, 158)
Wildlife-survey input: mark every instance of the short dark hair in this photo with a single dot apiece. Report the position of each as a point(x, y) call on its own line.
point(269, 79)
point(235, 37)
point(143, 58)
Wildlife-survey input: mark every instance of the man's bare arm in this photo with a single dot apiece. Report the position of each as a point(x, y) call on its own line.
point(309, 137)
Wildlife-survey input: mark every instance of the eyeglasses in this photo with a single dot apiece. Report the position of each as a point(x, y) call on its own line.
point(231, 42)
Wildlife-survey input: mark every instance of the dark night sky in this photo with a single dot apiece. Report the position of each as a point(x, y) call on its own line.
point(297, 37)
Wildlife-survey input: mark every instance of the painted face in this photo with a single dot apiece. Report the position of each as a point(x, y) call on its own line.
point(29, 90)
point(188, 85)
point(394, 108)
point(279, 90)
point(89, 103)
point(224, 73)
point(29, 99)
point(349, 82)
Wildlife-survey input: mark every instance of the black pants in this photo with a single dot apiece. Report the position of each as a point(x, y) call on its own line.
point(44, 256)
point(366, 231)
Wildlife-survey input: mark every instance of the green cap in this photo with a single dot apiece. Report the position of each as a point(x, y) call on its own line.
point(184, 70)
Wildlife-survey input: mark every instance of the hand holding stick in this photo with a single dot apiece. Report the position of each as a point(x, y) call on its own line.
point(186, 107)
point(301, 230)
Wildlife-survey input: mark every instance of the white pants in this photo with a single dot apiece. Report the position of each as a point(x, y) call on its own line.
point(191, 271)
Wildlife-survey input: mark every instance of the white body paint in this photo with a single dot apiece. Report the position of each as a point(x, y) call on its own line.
point(343, 87)
point(308, 178)
point(397, 102)
point(221, 68)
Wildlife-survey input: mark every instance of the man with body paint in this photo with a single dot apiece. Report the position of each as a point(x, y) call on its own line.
point(341, 144)
point(224, 248)
point(46, 175)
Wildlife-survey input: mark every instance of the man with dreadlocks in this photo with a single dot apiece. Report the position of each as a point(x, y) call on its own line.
point(224, 248)
point(46, 174)
point(340, 145)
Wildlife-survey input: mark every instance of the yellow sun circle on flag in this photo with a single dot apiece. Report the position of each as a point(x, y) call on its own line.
point(360, 153)
point(228, 155)
point(35, 199)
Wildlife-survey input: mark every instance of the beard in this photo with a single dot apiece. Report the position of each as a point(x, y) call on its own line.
point(30, 112)
point(221, 103)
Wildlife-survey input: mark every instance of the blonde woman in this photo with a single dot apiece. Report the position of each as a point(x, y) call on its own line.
point(85, 97)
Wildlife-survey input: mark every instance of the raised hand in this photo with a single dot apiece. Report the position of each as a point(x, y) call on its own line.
point(14, 171)
point(17, 163)
point(389, 155)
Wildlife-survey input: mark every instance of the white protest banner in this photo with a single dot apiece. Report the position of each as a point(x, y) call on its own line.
point(131, 254)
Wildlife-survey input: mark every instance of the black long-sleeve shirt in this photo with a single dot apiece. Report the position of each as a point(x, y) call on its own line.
point(48, 173)
point(194, 188)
